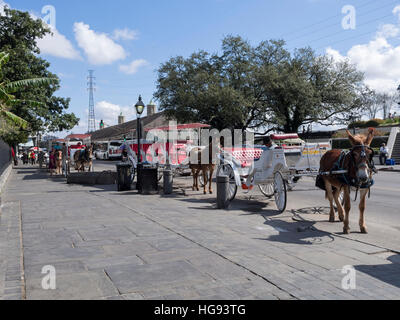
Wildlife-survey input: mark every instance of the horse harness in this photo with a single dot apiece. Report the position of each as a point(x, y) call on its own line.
point(83, 155)
point(344, 177)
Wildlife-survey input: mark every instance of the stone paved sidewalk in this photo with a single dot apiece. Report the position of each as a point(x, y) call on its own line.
point(109, 245)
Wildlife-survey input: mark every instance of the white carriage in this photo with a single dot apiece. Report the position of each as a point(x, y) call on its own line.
point(274, 171)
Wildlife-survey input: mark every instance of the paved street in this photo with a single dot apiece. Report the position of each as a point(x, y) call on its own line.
point(109, 245)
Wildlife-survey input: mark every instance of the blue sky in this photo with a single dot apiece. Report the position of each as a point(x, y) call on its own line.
point(126, 41)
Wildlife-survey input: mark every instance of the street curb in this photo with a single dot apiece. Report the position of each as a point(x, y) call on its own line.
point(4, 177)
point(389, 170)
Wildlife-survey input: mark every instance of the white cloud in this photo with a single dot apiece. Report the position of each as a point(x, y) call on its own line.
point(378, 59)
point(106, 111)
point(2, 5)
point(388, 31)
point(98, 47)
point(56, 44)
point(133, 67)
point(335, 54)
point(109, 112)
point(396, 11)
point(125, 34)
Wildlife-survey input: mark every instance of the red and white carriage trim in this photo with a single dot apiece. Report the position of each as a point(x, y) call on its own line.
point(162, 154)
point(73, 147)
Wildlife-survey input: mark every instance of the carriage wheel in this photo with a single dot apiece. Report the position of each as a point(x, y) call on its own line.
point(68, 167)
point(280, 192)
point(133, 174)
point(267, 190)
point(227, 170)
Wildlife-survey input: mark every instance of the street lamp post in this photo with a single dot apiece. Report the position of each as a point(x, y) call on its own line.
point(139, 110)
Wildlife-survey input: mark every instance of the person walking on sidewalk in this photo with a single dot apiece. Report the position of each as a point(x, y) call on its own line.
point(32, 157)
point(383, 154)
point(14, 157)
point(52, 162)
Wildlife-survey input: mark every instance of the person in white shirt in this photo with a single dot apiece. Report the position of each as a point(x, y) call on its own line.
point(383, 154)
point(267, 142)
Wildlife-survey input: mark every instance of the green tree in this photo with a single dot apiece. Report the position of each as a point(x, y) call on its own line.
point(11, 123)
point(256, 87)
point(18, 35)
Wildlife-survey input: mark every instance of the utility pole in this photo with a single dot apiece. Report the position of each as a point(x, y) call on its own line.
point(91, 89)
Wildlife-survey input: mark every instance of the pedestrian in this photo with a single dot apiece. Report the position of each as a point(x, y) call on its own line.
point(24, 157)
point(267, 142)
point(383, 154)
point(52, 162)
point(33, 158)
point(14, 157)
point(40, 158)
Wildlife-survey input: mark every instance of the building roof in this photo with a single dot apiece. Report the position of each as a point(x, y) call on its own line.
point(77, 136)
point(129, 128)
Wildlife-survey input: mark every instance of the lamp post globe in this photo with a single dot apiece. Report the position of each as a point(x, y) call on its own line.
point(140, 106)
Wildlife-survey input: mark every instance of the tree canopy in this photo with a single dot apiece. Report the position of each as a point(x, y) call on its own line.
point(18, 35)
point(264, 86)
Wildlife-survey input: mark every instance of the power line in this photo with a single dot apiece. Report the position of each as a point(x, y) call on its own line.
point(350, 38)
point(340, 32)
point(335, 24)
point(325, 20)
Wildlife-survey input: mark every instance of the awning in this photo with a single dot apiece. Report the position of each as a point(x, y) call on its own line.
point(284, 136)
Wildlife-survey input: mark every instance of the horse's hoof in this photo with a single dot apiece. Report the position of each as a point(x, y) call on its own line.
point(211, 192)
point(332, 219)
point(341, 218)
point(364, 230)
point(346, 230)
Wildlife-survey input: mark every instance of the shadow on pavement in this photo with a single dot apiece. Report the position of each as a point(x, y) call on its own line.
point(388, 273)
point(299, 230)
point(297, 233)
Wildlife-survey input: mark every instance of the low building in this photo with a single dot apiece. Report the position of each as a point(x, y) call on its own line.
point(128, 129)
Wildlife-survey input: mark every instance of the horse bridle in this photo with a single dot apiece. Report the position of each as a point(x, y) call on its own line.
point(368, 163)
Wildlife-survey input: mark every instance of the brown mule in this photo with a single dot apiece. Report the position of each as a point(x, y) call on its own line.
point(359, 164)
point(85, 161)
point(58, 161)
point(207, 169)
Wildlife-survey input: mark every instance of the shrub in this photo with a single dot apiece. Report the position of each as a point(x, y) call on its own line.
point(374, 123)
point(357, 124)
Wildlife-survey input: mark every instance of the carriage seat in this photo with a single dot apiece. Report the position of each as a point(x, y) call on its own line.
point(246, 156)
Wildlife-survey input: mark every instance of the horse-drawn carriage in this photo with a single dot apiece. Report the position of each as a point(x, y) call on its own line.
point(274, 171)
point(78, 156)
